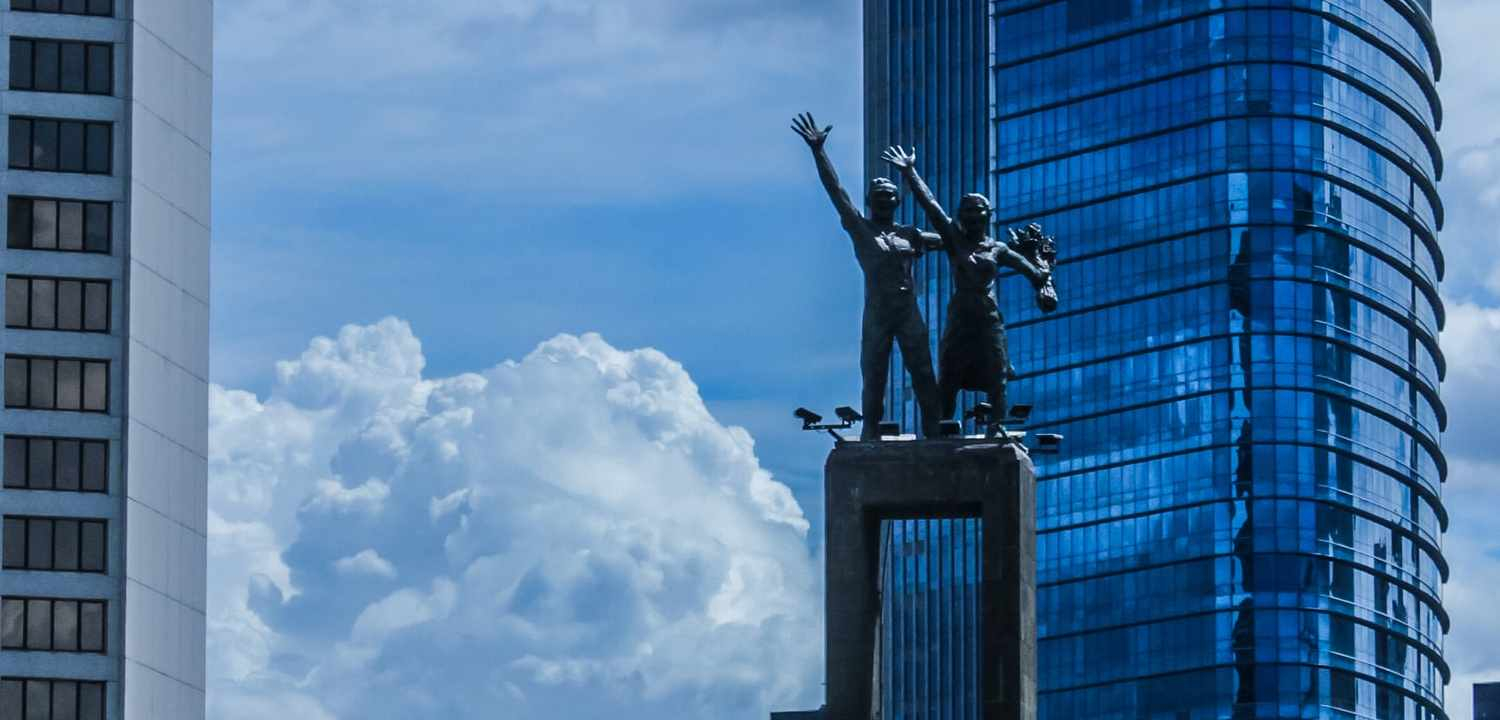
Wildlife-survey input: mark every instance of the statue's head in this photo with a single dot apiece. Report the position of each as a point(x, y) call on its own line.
point(884, 197)
point(974, 212)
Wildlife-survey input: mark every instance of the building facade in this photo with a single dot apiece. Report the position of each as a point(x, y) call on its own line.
point(927, 86)
point(106, 179)
point(1487, 701)
point(1246, 515)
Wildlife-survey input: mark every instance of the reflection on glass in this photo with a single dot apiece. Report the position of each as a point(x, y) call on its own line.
point(1246, 517)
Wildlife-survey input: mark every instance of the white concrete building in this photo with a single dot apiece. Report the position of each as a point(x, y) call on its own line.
point(106, 176)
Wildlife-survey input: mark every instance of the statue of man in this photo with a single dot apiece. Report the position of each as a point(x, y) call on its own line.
point(972, 354)
point(885, 250)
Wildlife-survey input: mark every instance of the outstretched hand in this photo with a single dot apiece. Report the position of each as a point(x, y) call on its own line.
point(901, 157)
point(805, 126)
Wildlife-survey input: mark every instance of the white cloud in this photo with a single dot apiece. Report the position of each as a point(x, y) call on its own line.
point(366, 562)
point(576, 535)
point(333, 496)
point(452, 502)
point(404, 609)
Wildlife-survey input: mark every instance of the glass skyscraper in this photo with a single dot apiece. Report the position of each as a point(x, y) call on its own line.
point(1246, 517)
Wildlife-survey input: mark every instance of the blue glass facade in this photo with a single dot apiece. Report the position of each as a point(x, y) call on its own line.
point(1246, 517)
point(929, 601)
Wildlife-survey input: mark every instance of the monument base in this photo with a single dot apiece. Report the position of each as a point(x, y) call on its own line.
point(868, 482)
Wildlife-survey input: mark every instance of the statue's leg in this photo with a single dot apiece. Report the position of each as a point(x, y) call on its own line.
point(912, 336)
point(874, 363)
point(948, 389)
point(997, 398)
point(948, 386)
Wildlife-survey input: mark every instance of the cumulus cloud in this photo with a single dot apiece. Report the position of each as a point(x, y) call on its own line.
point(366, 562)
point(574, 535)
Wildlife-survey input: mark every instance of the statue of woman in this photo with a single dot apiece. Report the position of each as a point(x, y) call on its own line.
point(972, 353)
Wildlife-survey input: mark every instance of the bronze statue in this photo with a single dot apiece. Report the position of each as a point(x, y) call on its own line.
point(972, 354)
point(885, 250)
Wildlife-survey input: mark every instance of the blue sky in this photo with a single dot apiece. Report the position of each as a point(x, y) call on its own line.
point(454, 198)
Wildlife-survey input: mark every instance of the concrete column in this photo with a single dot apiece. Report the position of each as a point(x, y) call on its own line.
point(866, 483)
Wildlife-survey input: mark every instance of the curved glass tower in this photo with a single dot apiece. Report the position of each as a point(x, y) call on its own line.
point(1246, 517)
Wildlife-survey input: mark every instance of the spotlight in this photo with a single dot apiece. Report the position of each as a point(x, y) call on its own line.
point(808, 418)
point(813, 421)
point(1047, 444)
point(1019, 413)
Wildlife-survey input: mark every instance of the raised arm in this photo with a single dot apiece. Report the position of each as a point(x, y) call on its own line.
point(805, 126)
point(907, 162)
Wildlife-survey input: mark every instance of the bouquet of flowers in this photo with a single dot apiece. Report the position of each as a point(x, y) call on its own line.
point(1041, 250)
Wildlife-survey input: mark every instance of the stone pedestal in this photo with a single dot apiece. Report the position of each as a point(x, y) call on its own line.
point(867, 482)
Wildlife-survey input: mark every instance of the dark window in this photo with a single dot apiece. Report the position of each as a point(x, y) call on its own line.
point(20, 64)
point(35, 699)
point(1085, 14)
point(52, 224)
point(46, 383)
point(74, 66)
point(102, 8)
point(44, 66)
point(37, 303)
point(98, 149)
point(20, 138)
point(70, 147)
point(60, 145)
point(44, 148)
point(101, 70)
point(62, 544)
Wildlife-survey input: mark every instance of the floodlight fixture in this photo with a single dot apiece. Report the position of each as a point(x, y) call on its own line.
point(1047, 444)
point(813, 421)
point(981, 413)
point(1020, 412)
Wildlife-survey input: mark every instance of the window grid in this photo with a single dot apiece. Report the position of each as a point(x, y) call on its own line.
point(61, 464)
point(59, 224)
point(65, 66)
point(34, 302)
point(98, 8)
point(46, 699)
point(56, 383)
point(53, 624)
point(61, 145)
point(57, 544)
